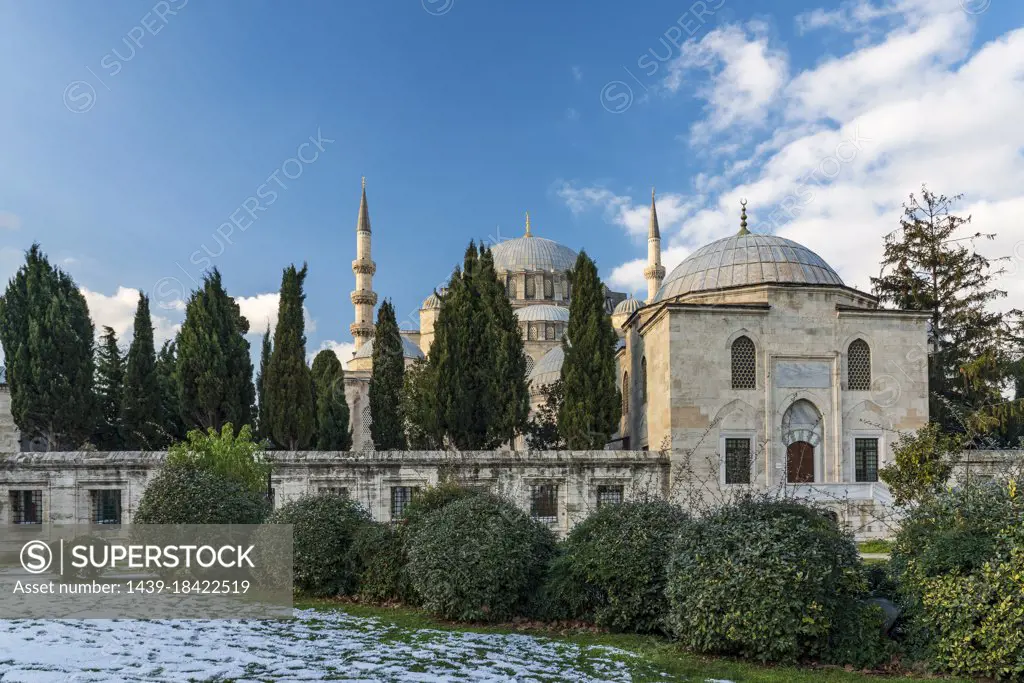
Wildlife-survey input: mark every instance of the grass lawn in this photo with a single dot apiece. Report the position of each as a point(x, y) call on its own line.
point(663, 656)
point(875, 547)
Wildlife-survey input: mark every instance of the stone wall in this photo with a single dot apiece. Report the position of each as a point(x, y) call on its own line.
point(10, 437)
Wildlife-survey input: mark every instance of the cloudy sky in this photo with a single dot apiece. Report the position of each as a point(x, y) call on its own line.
point(144, 142)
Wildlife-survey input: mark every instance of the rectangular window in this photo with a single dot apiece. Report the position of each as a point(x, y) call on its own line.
point(737, 461)
point(544, 502)
point(27, 507)
point(106, 506)
point(400, 498)
point(549, 287)
point(608, 495)
point(865, 453)
point(531, 286)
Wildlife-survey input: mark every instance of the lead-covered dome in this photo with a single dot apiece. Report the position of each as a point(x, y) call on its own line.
point(548, 369)
point(532, 253)
point(542, 313)
point(747, 259)
point(409, 350)
point(628, 306)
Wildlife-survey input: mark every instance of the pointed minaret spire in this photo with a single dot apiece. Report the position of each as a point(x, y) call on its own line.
point(743, 218)
point(654, 273)
point(528, 225)
point(363, 296)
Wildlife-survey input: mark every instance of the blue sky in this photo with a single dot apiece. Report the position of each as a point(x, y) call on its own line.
point(130, 132)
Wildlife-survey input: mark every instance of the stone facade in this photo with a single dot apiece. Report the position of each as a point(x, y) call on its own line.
point(10, 437)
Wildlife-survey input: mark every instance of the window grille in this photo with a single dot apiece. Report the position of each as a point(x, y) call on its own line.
point(533, 333)
point(106, 506)
point(866, 459)
point(744, 364)
point(608, 495)
point(27, 507)
point(544, 502)
point(529, 365)
point(366, 420)
point(531, 287)
point(549, 287)
point(737, 461)
point(510, 287)
point(858, 360)
point(549, 332)
point(625, 393)
point(401, 496)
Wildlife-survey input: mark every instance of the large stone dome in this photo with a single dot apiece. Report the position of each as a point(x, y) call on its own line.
point(409, 350)
point(747, 259)
point(542, 313)
point(532, 253)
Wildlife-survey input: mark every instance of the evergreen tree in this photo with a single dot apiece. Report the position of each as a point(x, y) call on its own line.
point(170, 410)
point(109, 392)
point(48, 342)
point(419, 406)
point(141, 419)
point(214, 373)
point(288, 387)
point(332, 416)
point(930, 265)
point(542, 431)
point(387, 427)
point(591, 406)
point(263, 420)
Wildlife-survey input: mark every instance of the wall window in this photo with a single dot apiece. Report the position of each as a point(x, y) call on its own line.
point(744, 364)
point(549, 287)
point(865, 453)
point(608, 495)
point(544, 502)
point(510, 286)
point(858, 366)
point(27, 507)
point(643, 380)
point(532, 333)
point(529, 365)
point(531, 286)
point(549, 332)
point(401, 496)
point(335, 490)
point(625, 393)
point(106, 506)
point(737, 461)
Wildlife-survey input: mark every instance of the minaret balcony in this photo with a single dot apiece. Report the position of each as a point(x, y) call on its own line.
point(361, 329)
point(365, 266)
point(654, 272)
point(362, 296)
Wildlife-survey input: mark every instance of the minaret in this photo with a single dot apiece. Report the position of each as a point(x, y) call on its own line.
point(654, 273)
point(363, 297)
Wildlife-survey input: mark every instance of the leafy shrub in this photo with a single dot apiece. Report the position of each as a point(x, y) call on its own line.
point(433, 498)
point(922, 463)
point(612, 567)
point(858, 638)
point(236, 457)
point(478, 559)
point(762, 579)
point(324, 527)
point(185, 493)
point(380, 549)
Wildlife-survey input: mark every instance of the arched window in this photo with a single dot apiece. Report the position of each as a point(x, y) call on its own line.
point(549, 331)
point(625, 393)
point(643, 380)
point(744, 364)
point(549, 287)
point(531, 286)
point(510, 286)
point(858, 366)
point(533, 332)
point(529, 365)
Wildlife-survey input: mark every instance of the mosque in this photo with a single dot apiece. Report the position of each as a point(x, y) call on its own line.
point(751, 361)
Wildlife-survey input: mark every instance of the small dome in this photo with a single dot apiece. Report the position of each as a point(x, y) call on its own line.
point(542, 313)
point(532, 253)
point(431, 302)
point(628, 306)
point(747, 259)
point(548, 369)
point(409, 350)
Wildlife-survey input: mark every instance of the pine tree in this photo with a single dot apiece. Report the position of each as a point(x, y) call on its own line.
point(930, 265)
point(109, 392)
point(141, 419)
point(170, 410)
point(263, 419)
point(419, 407)
point(48, 342)
point(387, 427)
point(288, 387)
point(591, 406)
point(214, 374)
point(332, 416)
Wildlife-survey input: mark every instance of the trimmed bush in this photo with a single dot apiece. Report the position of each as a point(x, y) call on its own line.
point(478, 559)
point(434, 498)
point(762, 579)
point(324, 528)
point(380, 549)
point(186, 493)
point(612, 565)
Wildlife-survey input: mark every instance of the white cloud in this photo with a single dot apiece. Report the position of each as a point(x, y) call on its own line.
point(9, 221)
point(117, 311)
point(261, 310)
point(343, 350)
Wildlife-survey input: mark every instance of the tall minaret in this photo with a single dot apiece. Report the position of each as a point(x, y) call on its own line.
point(654, 273)
point(363, 297)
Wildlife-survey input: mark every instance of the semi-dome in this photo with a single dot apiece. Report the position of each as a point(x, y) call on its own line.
point(409, 350)
point(747, 259)
point(628, 306)
point(431, 302)
point(548, 369)
point(542, 313)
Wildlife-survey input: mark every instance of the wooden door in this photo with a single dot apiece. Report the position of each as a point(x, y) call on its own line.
point(800, 463)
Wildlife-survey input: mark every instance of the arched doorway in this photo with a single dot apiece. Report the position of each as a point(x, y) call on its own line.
point(802, 437)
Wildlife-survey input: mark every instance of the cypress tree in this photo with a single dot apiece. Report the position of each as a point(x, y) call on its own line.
point(263, 420)
point(109, 392)
point(288, 387)
point(387, 428)
point(170, 410)
point(332, 416)
point(141, 419)
point(419, 407)
point(214, 374)
point(591, 404)
point(48, 342)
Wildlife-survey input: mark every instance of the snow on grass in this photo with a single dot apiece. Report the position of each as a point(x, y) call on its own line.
point(314, 646)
